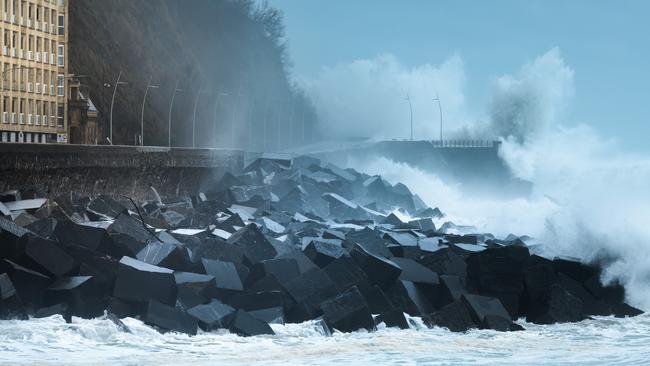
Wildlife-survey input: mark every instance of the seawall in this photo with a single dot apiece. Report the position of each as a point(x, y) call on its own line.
point(53, 170)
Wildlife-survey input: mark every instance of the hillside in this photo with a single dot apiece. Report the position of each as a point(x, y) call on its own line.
point(231, 50)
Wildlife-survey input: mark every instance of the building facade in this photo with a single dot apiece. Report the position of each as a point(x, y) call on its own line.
point(34, 67)
point(82, 116)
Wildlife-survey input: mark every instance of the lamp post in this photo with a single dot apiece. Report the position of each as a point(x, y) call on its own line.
point(216, 109)
point(196, 104)
point(171, 109)
point(437, 99)
point(144, 102)
point(117, 83)
point(408, 99)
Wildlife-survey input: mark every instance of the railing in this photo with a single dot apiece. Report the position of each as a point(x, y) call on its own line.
point(466, 143)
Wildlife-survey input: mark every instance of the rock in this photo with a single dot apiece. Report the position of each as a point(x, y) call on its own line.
point(165, 255)
point(194, 289)
point(126, 309)
point(225, 274)
point(246, 325)
point(211, 316)
point(304, 263)
point(89, 235)
point(345, 273)
point(283, 269)
point(13, 239)
point(139, 281)
point(423, 224)
point(445, 262)
point(454, 316)
point(271, 315)
point(218, 250)
point(379, 270)
point(29, 284)
point(556, 306)
point(392, 219)
point(310, 289)
point(11, 306)
point(129, 235)
point(347, 312)
point(428, 212)
point(83, 298)
point(482, 306)
point(590, 304)
point(105, 208)
point(623, 310)
point(415, 272)
point(405, 296)
point(574, 269)
point(451, 289)
point(370, 240)
point(376, 299)
point(322, 253)
point(255, 246)
point(48, 255)
point(169, 318)
point(539, 278)
point(257, 300)
point(56, 309)
point(499, 272)
point(404, 239)
point(393, 319)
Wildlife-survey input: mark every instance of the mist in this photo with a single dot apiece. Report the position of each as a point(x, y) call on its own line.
point(590, 198)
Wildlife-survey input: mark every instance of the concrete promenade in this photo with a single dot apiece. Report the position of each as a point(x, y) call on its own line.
point(55, 169)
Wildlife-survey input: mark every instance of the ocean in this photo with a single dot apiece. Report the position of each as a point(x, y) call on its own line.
point(598, 341)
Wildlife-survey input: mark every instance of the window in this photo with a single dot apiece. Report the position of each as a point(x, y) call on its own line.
point(60, 85)
point(61, 25)
point(59, 116)
point(61, 55)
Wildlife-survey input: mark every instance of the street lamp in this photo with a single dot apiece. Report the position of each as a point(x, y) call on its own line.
point(408, 99)
point(171, 108)
point(117, 83)
point(437, 99)
point(144, 102)
point(214, 122)
point(196, 104)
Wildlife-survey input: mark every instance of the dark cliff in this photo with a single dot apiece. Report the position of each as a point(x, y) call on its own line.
point(231, 50)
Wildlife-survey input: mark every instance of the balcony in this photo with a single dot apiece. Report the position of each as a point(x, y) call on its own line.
point(52, 59)
point(5, 116)
point(38, 56)
point(38, 120)
point(37, 25)
point(12, 18)
point(52, 90)
point(22, 118)
point(30, 119)
point(29, 23)
point(52, 120)
point(46, 27)
point(4, 50)
point(44, 120)
point(38, 88)
point(13, 117)
point(30, 87)
point(13, 52)
point(22, 21)
point(44, 57)
point(21, 54)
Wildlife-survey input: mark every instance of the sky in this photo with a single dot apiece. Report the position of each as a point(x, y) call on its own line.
point(604, 43)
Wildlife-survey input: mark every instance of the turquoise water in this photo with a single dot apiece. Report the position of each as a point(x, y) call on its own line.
point(50, 341)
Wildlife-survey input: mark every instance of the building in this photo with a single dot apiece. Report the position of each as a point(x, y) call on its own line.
point(82, 116)
point(34, 66)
